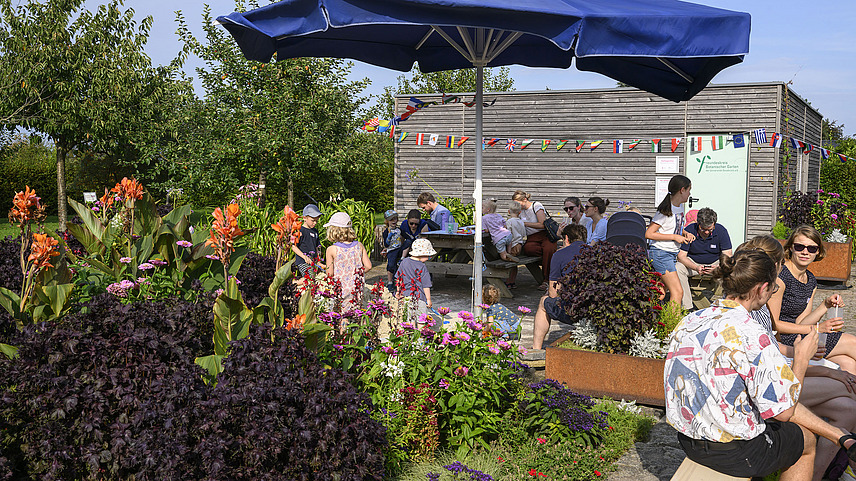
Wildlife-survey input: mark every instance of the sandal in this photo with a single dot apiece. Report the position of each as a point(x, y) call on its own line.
point(851, 452)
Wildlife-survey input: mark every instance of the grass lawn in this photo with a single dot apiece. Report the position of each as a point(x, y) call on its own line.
point(9, 229)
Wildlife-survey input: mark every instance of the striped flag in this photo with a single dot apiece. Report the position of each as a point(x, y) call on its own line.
point(797, 144)
point(842, 157)
point(718, 142)
point(824, 153)
point(510, 144)
point(633, 143)
point(420, 139)
point(561, 144)
point(544, 144)
point(616, 146)
point(760, 136)
point(739, 141)
point(594, 144)
point(525, 143)
point(392, 131)
point(580, 144)
point(450, 141)
point(808, 148)
point(695, 144)
point(463, 139)
point(676, 142)
point(433, 138)
point(402, 136)
point(776, 141)
point(655, 145)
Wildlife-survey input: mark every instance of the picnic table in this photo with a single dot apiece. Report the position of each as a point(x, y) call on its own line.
point(457, 254)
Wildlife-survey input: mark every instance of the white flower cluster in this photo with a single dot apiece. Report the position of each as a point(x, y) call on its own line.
point(584, 335)
point(629, 406)
point(836, 236)
point(117, 221)
point(392, 368)
point(647, 344)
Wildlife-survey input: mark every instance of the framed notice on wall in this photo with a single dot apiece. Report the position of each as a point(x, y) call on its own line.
point(661, 190)
point(668, 164)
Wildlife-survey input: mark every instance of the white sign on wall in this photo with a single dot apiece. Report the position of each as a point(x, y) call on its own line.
point(89, 197)
point(668, 164)
point(662, 190)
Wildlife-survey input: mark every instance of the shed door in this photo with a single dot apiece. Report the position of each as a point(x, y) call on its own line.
point(720, 180)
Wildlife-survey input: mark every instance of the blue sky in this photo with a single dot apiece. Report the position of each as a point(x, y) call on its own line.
point(807, 43)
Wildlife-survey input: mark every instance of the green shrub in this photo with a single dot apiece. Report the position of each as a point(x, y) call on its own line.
point(362, 217)
point(781, 231)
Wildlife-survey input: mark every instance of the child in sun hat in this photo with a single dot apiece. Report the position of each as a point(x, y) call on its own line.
point(392, 246)
point(413, 279)
point(309, 245)
point(347, 259)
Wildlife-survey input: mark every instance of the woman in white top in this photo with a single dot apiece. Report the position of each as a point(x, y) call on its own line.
point(667, 232)
point(537, 243)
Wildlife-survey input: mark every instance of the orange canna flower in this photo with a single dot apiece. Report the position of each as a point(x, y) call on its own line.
point(106, 199)
point(295, 323)
point(25, 206)
point(42, 249)
point(224, 230)
point(288, 226)
point(128, 189)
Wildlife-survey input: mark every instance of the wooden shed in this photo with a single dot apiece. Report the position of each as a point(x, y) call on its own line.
point(762, 176)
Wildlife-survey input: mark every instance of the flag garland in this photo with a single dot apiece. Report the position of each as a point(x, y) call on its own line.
point(619, 146)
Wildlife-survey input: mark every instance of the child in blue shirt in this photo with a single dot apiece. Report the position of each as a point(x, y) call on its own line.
point(392, 246)
point(500, 316)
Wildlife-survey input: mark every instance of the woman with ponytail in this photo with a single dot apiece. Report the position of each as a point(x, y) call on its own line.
point(667, 232)
point(730, 393)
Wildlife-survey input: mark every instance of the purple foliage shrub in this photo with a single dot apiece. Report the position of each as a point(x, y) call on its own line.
point(256, 273)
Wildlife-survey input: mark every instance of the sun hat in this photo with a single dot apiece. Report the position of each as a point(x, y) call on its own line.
point(311, 210)
point(691, 216)
point(391, 213)
point(339, 219)
point(422, 248)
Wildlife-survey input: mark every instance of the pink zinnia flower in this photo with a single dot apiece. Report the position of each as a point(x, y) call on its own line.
point(389, 350)
point(407, 325)
point(524, 309)
point(145, 266)
point(444, 384)
point(484, 306)
point(463, 336)
point(183, 243)
point(834, 216)
point(443, 311)
point(125, 260)
point(503, 344)
point(493, 349)
point(462, 371)
point(466, 315)
point(542, 441)
point(158, 262)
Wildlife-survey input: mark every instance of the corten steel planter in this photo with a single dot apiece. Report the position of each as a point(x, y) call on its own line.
point(612, 375)
point(836, 265)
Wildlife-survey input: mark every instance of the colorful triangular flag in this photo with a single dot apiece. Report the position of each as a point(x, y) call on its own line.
point(594, 144)
point(433, 138)
point(420, 139)
point(675, 143)
point(655, 145)
point(842, 157)
point(579, 145)
point(797, 144)
point(402, 136)
point(776, 141)
point(633, 143)
point(808, 148)
point(824, 153)
point(561, 144)
point(463, 139)
point(616, 146)
point(525, 143)
point(739, 141)
point(544, 144)
point(510, 144)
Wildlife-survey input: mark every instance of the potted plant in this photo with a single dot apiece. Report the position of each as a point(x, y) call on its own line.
point(617, 346)
point(835, 222)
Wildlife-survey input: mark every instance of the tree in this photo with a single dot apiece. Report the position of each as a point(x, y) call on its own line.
point(289, 120)
point(82, 79)
point(832, 131)
point(447, 81)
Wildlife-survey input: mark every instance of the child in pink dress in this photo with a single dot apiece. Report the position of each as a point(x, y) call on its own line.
point(347, 259)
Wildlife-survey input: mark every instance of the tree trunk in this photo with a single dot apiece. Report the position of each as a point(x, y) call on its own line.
point(291, 193)
point(61, 202)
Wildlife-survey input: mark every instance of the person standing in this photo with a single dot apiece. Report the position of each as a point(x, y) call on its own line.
point(537, 243)
point(439, 214)
point(308, 248)
point(667, 232)
point(347, 259)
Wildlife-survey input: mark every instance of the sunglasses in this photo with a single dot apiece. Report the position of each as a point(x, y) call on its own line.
point(801, 247)
point(413, 223)
point(568, 209)
point(587, 207)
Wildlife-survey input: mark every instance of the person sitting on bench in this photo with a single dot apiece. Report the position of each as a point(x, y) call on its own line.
point(574, 236)
point(701, 256)
point(730, 393)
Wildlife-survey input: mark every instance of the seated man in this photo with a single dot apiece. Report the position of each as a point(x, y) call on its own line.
point(439, 214)
point(730, 393)
point(701, 256)
point(574, 236)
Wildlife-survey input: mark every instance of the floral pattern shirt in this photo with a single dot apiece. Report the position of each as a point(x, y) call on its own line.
point(724, 376)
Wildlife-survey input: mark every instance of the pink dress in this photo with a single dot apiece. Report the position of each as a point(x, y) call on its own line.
point(347, 269)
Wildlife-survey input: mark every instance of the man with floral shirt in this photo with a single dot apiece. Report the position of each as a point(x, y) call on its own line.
point(729, 392)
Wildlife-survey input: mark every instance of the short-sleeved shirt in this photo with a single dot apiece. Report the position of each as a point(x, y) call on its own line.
point(392, 238)
point(308, 244)
point(562, 259)
point(504, 320)
point(598, 233)
point(707, 251)
point(495, 225)
point(531, 215)
point(408, 236)
point(724, 375)
point(413, 276)
point(441, 216)
point(673, 224)
point(518, 231)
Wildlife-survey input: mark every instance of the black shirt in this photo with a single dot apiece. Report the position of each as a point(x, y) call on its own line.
point(308, 244)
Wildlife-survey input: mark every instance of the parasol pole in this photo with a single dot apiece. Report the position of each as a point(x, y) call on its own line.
point(477, 192)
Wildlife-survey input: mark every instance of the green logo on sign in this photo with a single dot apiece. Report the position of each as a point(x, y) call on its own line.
point(701, 162)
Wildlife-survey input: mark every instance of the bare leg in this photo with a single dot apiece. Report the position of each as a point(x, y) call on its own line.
point(840, 412)
point(542, 325)
point(802, 469)
point(673, 284)
point(846, 347)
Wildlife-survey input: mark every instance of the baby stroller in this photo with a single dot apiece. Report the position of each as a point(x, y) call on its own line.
point(627, 227)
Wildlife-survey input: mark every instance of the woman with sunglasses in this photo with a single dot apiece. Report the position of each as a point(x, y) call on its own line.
point(596, 228)
point(791, 307)
point(410, 230)
point(574, 208)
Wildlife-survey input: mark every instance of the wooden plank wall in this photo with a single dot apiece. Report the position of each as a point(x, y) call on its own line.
point(803, 122)
point(603, 114)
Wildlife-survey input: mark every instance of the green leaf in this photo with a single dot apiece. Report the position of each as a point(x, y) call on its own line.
point(11, 302)
point(58, 297)
point(212, 363)
point(232, 320)
point(92, 223)
point(10, 351)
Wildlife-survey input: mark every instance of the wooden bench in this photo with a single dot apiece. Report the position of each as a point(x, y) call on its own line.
point(500, 270)
point(691, 471)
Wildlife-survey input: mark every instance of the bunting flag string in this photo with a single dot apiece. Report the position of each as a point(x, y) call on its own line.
point(620, 146)
point(415, 105)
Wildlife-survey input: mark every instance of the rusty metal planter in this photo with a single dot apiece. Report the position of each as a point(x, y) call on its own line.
point(611, 375)
point(836, 265)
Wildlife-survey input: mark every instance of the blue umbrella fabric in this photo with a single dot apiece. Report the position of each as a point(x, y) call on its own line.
point(667, 47)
